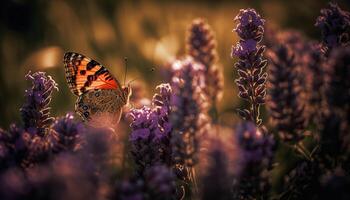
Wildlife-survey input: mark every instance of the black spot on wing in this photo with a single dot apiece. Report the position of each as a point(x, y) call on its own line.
point(104, 71)
point(91, 64)
point(82, 72)
point(101, 71)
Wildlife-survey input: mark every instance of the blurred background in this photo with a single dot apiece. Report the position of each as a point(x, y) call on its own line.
point(35, 34)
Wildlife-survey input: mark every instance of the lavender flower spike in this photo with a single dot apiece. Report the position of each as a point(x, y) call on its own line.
point(188, 115)
point(36, 111)
point(201, 46)
point(251, 63)
point(285, 103)
point(150, 136)
point(334, 24)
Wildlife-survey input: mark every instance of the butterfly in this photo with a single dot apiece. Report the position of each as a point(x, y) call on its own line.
point(98, 92)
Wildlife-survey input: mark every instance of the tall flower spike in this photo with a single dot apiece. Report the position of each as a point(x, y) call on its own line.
point(36, 111)
point(201, 45)
point(285, 105)
point(251, 63)
point(150, 136)
point(334, 24)
point(188, 115)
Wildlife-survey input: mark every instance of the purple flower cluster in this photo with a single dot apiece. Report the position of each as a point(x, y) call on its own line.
point(334, 24)
point(250, 29)
point(68, 133)
point(39, 138)
point(151, 131)
point(189, 109)
point(256, 144)
point(201, 46)
point(35, 111)
point(285, 104)
point(177, 152)
point(251, 63)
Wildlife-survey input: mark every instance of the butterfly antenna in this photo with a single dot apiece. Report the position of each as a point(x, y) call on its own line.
point(133, 80)
point(126, 68)
point(151, 70)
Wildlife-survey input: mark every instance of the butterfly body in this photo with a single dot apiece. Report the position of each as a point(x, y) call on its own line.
point(100, 94)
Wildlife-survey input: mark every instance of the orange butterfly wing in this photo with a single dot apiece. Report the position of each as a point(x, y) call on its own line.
point(83, 74)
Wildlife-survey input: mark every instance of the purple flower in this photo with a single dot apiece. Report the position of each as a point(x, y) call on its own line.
point(22, 149)
point(36, 111)
point(248, 17)
point(244, 48)
point(251, 63)
point(189, 110)
point(250, 25)
point(334, 24)
point(254, 143)
point(67, 134)
point(150, 136)
point(142, 133)
point(201, 44)
point(286, 105)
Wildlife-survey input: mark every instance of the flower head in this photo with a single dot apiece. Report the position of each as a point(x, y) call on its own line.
point(201, 44)
point(255, 144)
point(36, 111)
point(334, 24)
point(150, 136)
point(250, 24)
point(189, 110)
point(68, 133)
point(251, 63)
point(244, 48)
point(286, 105)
